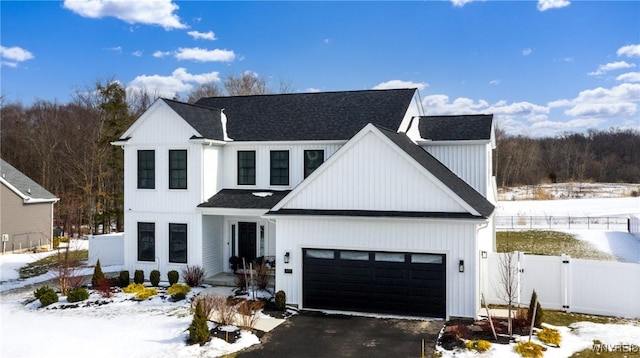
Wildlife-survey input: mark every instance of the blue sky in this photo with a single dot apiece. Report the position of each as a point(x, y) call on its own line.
point(543, 68)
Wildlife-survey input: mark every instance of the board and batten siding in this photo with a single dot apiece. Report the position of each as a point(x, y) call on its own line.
point(454, 239)
point(471, 162)
point(296, 162)
point(214, 244)
point(361, 178)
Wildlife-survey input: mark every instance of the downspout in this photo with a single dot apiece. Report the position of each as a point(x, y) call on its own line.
point(479, 268)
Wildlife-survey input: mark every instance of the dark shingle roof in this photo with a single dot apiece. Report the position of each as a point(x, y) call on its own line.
point(23, 183)
point(467, 127)
point(310, 116)
point(205, 120)
point(440, 171)
point(245, 199)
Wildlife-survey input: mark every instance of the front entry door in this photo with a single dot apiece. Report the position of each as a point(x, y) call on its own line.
point(246, 241)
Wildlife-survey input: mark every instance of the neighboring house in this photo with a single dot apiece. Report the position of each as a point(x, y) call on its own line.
point(364, 204)
point(26, 211)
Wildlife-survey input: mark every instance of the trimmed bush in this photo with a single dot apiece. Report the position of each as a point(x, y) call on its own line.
point(138, 276)
point(281, 300)
point(193, 275)
point(123, 279)
point(199, 329)
point(178, 288)
point(173, 277)
point(77, 294)
point(154, 278)
point(141, 292)
point(529, 350)
point(178, 296)
point(537, 320)
point(47, 297)
point(478, 345)
point(41, 291)
point(549, 336)
point(98, 275)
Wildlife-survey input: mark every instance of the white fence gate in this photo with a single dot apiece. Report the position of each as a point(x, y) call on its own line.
point(634, 225)
point(572, 285)
point(108, 248)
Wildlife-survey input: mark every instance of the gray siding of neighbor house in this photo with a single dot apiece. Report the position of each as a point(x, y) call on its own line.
point(28, 225)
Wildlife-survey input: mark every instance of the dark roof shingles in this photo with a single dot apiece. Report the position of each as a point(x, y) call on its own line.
point(23, 183)
point(310, 116)
point(465, 127)
point(205, 120)
point(244, 199)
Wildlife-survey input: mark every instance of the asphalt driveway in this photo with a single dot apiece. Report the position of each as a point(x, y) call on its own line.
point(315, 334)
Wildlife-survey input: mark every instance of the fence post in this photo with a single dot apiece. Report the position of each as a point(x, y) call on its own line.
point(566, 282)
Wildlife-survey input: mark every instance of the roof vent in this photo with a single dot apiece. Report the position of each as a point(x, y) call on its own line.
point(29, 191)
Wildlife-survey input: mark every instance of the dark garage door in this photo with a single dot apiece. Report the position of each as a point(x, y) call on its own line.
point(379, 282)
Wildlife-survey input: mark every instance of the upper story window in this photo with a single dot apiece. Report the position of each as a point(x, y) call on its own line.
point(279, 167)
point(312, 160)
point(177, 169)
point(247, 167)
point(146, 169)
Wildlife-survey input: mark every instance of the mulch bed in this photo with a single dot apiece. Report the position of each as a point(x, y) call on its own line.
point(457, 331)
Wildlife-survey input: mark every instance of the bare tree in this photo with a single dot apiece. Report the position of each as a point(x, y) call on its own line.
point(209, 89)
point(248, 83)
point(509, 283)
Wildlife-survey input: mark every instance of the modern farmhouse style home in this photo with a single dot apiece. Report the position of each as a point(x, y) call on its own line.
point(364, 203)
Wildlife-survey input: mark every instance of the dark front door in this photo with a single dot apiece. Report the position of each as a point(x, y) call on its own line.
point(246, 241)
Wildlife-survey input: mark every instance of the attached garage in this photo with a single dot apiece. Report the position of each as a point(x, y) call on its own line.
point(379, 282)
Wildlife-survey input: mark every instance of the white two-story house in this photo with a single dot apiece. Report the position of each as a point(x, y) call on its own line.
point(364, 203)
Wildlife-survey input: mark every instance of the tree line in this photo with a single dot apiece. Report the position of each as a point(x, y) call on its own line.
point(66, 149)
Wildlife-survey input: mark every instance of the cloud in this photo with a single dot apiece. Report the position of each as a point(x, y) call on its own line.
point(161, 54)
point(621, 100)
point(202, 35)
point(629, 51)
point(544, 5)
point(439, 104)
point(15, 53)
point(629, 77)
point(527, 51)
point(312, 89)
point(137, 53)
point(204, 55)
point(117, 49)
point(461, 3)
point(8, 64)
point(167, 86)
point(401, 84)
point(612, 66)
point(148, 12)
point(494, 82)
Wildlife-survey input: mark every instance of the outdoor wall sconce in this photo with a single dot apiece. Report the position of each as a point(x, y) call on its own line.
point(484, 254)
point(461, 266)
point(287, 257)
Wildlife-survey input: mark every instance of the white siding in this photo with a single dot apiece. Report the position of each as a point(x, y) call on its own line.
point(211, 165)
point(296, 162)
point(373, 174)
point(468, 161)
point(454, 239)
point(214, 244)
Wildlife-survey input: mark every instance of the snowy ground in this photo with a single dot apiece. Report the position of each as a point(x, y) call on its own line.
point(156, 328)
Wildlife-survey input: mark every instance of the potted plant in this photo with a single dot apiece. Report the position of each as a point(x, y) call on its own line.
point(234, 261)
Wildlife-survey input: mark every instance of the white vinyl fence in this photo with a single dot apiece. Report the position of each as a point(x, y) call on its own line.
point(572, 285)
point(634, 225)
point(109, 248)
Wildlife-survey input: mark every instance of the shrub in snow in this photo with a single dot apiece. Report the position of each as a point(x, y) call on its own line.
point(123, 279)
point(529, 350)
point(248, 310)
point(199, 329)
point(41, 291)
point(173, 276)
point(141, 292)
point(193, 275)
point(479, 345)
point(47, 297)
point(549, 336)
point(178, 288)
point(281, 300)
point(537, 320)
point(77, 294)
point(154, 278)
point(138, 276)
point(98, 275)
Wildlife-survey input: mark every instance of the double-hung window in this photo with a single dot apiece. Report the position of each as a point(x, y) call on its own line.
point(279, 167)
point(146, 241)
point(177, 169)
point(146, 169)
point(246, 167)
point(312, 160)
point(178, 243)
